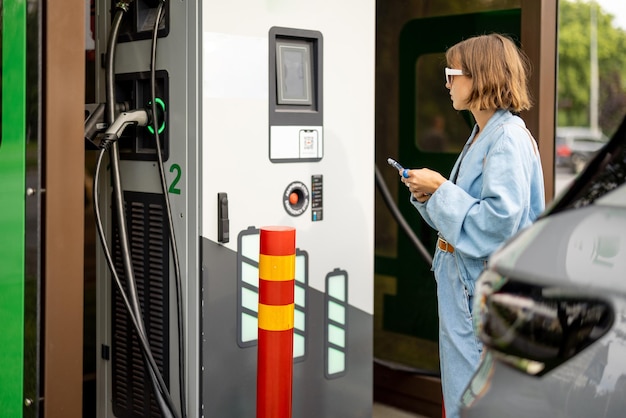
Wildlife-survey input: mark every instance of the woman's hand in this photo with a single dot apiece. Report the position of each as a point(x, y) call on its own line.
point(423, 182)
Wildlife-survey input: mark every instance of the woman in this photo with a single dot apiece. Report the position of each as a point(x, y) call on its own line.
point(496, 188)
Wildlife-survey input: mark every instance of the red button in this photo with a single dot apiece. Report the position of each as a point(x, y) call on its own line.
point(293, 198)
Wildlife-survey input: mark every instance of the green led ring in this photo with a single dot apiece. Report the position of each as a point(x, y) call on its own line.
point(162, 104)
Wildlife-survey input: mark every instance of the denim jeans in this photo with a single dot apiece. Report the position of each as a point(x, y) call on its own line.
point(459, 348)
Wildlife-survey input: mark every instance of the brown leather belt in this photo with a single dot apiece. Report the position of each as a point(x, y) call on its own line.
point(444, 245)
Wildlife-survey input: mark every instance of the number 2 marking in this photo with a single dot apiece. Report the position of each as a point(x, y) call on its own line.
point(173, 189)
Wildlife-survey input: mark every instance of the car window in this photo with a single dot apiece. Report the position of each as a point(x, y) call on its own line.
point(605, 172)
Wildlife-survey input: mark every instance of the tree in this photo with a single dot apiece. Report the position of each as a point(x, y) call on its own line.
point(573, 83)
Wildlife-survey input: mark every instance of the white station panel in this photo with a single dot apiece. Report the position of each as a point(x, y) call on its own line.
point(255, 163)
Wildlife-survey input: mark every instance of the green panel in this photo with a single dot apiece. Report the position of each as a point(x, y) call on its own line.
point(12, 204)
point(412, 309)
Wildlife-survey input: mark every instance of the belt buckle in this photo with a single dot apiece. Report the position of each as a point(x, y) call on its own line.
point(445, 245)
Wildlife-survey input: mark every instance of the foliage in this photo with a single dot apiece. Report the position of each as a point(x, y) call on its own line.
point(573, 91)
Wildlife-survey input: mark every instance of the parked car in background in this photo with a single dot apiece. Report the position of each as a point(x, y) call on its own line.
point(551, 306)
point(576, 145)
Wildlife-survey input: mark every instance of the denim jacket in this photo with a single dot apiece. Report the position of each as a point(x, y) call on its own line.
point(499, 190)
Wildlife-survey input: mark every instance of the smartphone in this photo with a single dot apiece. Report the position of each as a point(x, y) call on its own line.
point(398, 166)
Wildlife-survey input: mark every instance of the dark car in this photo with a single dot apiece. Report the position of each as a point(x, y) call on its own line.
point(551, 306)
point(576, 145)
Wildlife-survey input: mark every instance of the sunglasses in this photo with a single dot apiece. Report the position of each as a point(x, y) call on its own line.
point(450, 73)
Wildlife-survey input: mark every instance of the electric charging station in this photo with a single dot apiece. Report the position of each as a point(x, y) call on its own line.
point(265, 117)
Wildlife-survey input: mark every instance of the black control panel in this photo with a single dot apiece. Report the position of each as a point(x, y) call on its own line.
point(317, 193)
point(140, 20)
point(134, 91)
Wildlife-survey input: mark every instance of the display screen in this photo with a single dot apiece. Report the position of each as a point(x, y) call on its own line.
point(293, 64)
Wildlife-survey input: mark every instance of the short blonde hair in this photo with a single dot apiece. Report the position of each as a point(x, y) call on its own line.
point(499, 72)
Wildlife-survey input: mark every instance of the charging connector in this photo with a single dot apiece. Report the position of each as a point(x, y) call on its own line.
point(138, 117)
point(95, 125)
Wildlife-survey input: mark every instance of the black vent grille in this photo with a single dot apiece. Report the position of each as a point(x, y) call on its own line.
point(149, 245)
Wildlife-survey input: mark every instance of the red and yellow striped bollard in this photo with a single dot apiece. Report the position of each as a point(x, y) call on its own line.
point(277, 270)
